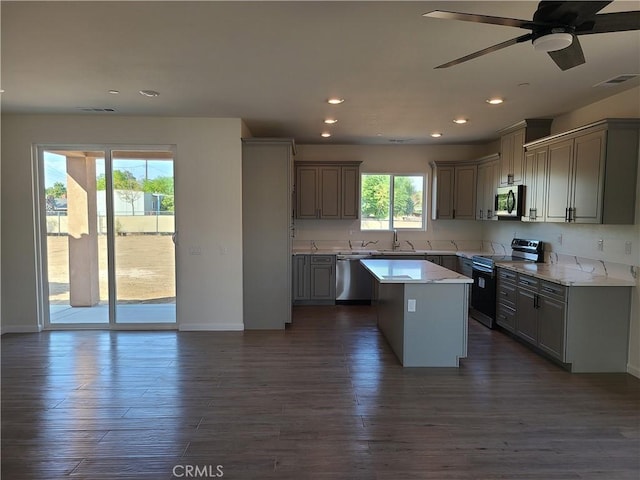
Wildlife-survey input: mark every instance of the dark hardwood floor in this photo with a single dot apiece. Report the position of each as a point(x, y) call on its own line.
point(325, 399)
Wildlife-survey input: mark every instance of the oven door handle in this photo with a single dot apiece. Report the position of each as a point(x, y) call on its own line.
point(483, 269)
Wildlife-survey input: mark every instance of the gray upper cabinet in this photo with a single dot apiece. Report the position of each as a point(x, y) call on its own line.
point(266, 224)
point(535, 180)
point(327, 190)
point(591, 173)
point(454, 191)
point(487, 184)
point(512, 148)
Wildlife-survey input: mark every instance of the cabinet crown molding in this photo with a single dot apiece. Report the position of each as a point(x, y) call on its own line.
point(599, 125)
point(338, 163)
point(527, 123)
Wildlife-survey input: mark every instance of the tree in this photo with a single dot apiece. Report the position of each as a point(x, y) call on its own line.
point(163, 186)
point(404, 193)
point(375, 196)
point(58, 190)
point(122, 180)
point(125, 184)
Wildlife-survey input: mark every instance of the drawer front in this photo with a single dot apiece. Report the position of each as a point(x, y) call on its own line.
point(506, 317)
point(322, 259)
point(553, 290)
point(530, 283)
point(507, 276)
point(506, 293)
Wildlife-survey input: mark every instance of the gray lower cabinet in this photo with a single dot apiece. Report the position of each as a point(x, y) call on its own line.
point(301, 277)
point(506, 300)
point(584, 327)
point(314, 279)
point(527, 319)
point(541, 314)
point(437, 259)
point(449, 261)
point(551, 326)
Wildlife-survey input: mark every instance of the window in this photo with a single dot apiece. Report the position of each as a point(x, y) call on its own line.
point(384, 193)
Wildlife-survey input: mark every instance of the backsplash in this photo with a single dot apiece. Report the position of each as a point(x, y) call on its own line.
point(573, 240)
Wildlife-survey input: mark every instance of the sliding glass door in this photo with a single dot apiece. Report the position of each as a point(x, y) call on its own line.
point(108, 223)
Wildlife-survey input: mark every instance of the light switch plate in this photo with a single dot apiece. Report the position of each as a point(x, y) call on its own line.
point(411, 305)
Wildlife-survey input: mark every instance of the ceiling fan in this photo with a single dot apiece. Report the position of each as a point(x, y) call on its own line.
point(554, 29)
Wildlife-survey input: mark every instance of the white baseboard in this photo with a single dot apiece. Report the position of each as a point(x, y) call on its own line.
point(20, 329)
point(211, 327)
point(633, 370)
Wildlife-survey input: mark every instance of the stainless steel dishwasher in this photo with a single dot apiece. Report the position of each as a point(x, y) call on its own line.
point(353, 282)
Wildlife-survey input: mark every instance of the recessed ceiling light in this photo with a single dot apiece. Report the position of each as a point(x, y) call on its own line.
point(460, 121)
point(335, 101)
point(494, 101)
point(325, 134)
point(114, 92)
point(436, 134)
point(330, 121)
point(149, 93)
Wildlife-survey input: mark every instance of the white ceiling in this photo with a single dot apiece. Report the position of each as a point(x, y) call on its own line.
point(274, 64)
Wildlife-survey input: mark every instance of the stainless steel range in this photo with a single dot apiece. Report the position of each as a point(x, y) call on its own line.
point(483, 295)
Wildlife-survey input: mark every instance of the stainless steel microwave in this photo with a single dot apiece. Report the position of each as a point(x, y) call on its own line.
point(510, 202)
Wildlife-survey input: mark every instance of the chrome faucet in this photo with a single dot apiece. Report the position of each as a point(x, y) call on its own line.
point(313, 245)
point(411, 245)
point(396, 244)
point(370, 242)
point(350, 245)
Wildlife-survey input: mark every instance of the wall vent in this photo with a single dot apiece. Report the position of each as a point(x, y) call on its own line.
point(612, 82)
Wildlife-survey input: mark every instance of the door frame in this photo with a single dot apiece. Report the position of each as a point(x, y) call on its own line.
point(40, 230)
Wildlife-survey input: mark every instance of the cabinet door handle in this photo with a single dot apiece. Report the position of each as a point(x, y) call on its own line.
point(550, 290)
point(566, 214)
point(536, 301)
point(480, 214)
point(572, 214)
point(489, 213)
point(454, 213)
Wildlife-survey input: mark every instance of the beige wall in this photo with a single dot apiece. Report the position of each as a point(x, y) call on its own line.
point(208, 193)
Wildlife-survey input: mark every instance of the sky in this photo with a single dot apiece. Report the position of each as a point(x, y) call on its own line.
point(55, 168)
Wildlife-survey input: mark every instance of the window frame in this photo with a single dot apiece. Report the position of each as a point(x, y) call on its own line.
point(392, 177)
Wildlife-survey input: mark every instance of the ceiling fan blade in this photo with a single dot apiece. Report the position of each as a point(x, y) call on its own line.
point(611, 22)
point(568, 13)
point(499, 46)
point(569, 57)
point(472, 17)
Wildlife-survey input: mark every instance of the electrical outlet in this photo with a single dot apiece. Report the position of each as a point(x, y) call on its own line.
point(411, 305)
point(627, 248)
point(194, 251)
point(600, 244)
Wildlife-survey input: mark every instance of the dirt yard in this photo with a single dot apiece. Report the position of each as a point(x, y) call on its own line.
point(145, 269)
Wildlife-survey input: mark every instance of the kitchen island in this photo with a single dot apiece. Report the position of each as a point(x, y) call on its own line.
point(422, 311)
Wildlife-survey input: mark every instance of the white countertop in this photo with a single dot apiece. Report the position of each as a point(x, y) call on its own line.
point(398, 253)
point(411, 271)
point(566, 275)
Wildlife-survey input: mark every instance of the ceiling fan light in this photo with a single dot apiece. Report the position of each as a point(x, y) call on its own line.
point(552, 42)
